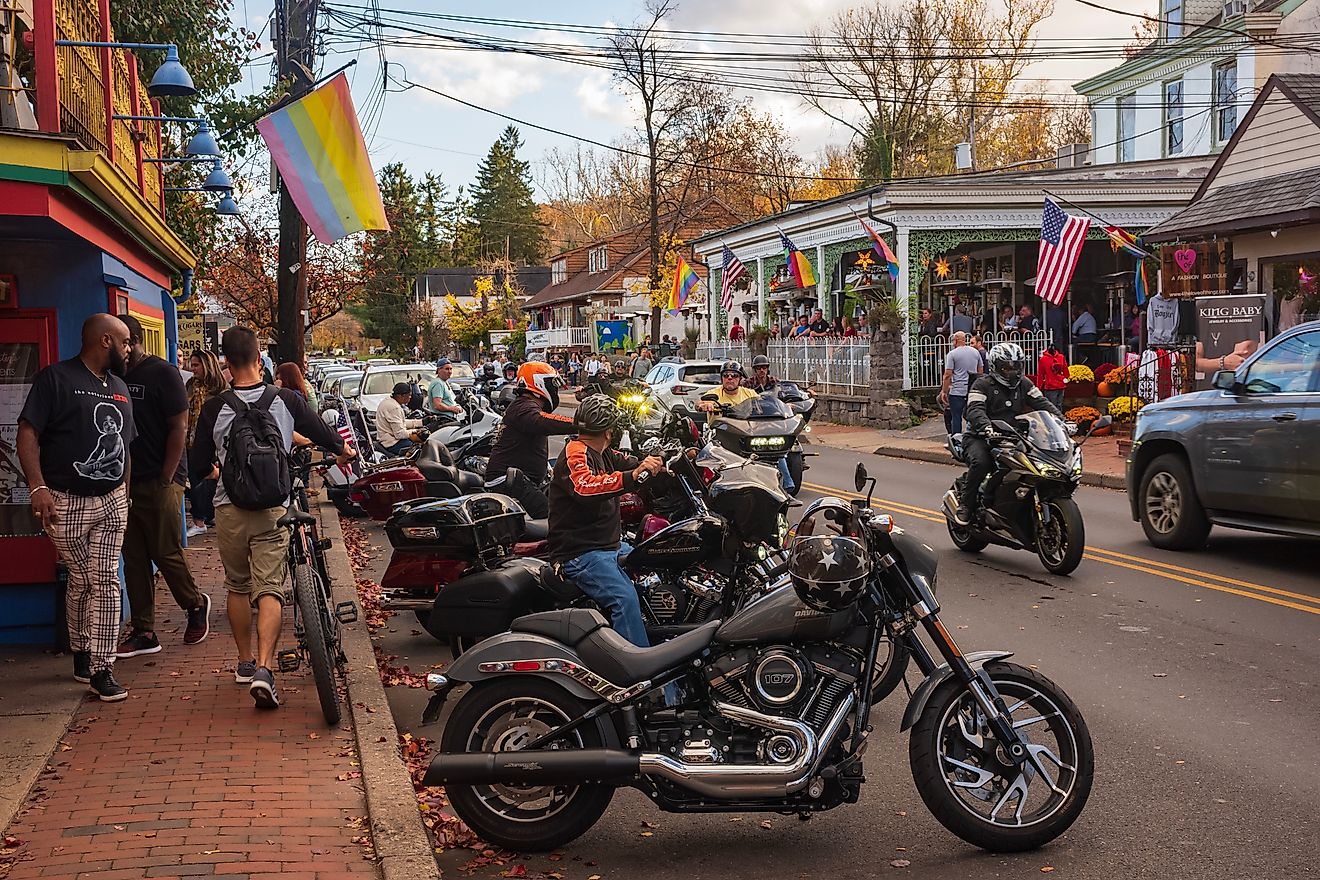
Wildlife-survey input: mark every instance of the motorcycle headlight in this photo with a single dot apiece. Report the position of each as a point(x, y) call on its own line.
point(766, 443)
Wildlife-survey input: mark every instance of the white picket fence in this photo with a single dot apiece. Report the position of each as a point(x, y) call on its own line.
point(835, 366)
point(927, 353)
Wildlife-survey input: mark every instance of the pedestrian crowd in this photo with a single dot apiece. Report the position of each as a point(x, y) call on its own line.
point(814, 326)
point(111, 440)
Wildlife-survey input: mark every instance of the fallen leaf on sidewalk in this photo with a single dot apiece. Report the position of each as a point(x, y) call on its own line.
point(646, 824)
point(146, 834)
point(767, 824)
point(1047, 869)
point(899, 863)
point(11, 842)
point(515, 871)
point(313, 736)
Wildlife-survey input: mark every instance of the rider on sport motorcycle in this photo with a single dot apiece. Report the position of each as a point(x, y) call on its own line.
point(998, 396)
point(521, 441)
point(584, 514)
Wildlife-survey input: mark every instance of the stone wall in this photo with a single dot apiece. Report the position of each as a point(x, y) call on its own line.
point(884, 406)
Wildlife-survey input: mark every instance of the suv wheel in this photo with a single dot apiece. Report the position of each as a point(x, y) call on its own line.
point(1171, 515)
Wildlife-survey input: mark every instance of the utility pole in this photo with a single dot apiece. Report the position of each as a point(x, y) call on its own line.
point(296, 53)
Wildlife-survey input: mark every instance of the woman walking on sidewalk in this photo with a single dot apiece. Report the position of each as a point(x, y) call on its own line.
point(207, 381)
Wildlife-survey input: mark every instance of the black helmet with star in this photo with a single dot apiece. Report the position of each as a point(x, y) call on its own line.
point(829, 560)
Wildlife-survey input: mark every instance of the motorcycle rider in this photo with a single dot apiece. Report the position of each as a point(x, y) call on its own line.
point(734, 389)
point(584, 514)
point(1001, 394)
point(521, 439)
point(761, 380)
point(612, 383)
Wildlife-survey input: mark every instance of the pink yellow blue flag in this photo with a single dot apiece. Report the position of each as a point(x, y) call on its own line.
point(798, 264)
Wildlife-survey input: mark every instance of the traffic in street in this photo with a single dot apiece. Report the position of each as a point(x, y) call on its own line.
point(1195, 673)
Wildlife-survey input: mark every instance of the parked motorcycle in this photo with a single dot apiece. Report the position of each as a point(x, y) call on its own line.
point(478, 420)
point(1038, 467)
point(427, 470)
point(774, 716)
point(766, 427)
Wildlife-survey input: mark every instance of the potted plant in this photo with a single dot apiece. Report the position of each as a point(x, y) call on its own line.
point(758, 338)
point(885, 315)
point(1081, 382)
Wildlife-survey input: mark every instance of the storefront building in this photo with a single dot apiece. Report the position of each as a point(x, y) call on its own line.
point(82, 230)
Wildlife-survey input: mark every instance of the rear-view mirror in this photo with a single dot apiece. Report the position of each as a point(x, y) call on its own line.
point(1102, 422)
point(860, 477)
point(1224, 380)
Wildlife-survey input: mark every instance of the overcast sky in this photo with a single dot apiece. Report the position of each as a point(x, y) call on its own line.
point(429, 133)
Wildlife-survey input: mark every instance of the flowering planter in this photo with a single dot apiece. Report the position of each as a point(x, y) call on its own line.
point(1074, 390)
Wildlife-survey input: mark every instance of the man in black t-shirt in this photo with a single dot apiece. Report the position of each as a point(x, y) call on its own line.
point(818, 326)
point(73, 438)
point(155, 519)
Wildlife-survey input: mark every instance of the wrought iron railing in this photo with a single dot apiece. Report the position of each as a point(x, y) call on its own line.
point(836, 366)
point(928, 352)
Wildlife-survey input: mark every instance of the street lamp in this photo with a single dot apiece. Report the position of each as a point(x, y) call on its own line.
point(170, 80)
point(218, 180)
point(202, 143)
point(226, 207)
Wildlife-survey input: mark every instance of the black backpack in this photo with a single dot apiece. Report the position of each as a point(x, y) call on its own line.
point(256, 469)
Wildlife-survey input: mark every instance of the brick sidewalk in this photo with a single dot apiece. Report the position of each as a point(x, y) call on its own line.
point(187, 779)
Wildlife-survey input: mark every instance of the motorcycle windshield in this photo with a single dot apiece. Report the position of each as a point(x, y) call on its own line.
point(789, 392)
point(735, 472)
point(1045, 432)
point(763, 406)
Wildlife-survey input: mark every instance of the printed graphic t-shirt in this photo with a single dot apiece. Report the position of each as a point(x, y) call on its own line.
point(84, 427)
point(156, 389)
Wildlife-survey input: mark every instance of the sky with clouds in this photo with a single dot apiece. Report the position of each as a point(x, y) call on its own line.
point(430, 133)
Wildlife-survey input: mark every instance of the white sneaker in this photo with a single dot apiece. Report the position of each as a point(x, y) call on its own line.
point(194, 531)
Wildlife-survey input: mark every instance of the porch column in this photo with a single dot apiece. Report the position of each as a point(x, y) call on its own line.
point(823, 297)
point(903, 297)
point(760, 291)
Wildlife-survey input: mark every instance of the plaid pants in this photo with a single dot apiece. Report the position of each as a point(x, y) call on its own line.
point(88, 538)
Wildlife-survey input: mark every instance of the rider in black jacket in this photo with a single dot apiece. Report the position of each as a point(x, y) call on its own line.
point(522, 442)
point(999, 395)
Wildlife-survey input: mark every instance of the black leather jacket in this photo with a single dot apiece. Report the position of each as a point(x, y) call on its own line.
point(522, 438)
point(988, 401)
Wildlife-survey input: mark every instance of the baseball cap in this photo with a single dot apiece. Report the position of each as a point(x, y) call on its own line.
point(443, 362)
point(402, 388)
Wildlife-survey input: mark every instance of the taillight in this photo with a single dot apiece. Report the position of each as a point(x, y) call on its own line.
point(680, 388)
point(707, 476)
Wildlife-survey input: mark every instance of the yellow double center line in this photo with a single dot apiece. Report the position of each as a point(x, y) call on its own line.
point(1168, 571)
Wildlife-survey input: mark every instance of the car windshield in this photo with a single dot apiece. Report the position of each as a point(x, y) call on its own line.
point(1044, 431)
point(383, 381)
point(709, 375)
point(349, 386)
point(763, 406)
point(462, 371)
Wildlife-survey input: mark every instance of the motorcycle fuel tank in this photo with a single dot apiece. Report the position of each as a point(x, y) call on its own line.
point(679, 545)
point(782, 617)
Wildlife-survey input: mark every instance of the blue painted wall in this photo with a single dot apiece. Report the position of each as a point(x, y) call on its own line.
point(62, 275)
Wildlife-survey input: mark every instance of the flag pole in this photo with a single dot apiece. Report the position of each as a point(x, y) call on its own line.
point(1147, 254)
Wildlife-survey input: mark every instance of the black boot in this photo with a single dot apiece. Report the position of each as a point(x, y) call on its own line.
point(82, 666)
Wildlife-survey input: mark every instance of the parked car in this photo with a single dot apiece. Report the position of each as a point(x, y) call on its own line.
point(378, 382)
point(341, 386)
point(463, 376)
point(678, 386)
point(324, 378)
point(1240, 455)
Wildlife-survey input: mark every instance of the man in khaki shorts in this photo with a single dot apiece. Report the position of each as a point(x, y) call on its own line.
point(252, 547)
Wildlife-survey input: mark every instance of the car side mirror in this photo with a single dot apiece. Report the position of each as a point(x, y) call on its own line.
point(1224, 380)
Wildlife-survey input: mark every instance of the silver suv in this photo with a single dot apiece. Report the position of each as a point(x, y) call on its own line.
point(1241, 455)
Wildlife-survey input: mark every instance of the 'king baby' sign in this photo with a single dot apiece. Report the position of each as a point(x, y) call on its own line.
point(1202, 268)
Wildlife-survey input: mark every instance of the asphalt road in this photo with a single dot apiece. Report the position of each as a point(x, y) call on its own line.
point(1197, 674)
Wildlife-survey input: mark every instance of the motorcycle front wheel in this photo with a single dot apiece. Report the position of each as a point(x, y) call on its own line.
point(966, 780)
point(1061, 542)
point(502, 716)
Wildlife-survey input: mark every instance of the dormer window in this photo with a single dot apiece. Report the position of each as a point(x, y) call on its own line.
point(558, 272)
point(1172, 19)
point(598, 259)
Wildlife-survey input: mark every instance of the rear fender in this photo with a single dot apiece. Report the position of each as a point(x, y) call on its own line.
point(510, 646)
point(921, 696)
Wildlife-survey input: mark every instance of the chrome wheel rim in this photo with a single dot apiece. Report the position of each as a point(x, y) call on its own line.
point(976, 769)
point(510, 726)
point(1163, 503)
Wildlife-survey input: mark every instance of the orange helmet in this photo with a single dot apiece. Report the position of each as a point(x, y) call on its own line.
point(540, 379)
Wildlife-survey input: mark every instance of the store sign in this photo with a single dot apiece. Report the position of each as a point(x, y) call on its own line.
point(538, 340)
point(1198, 269)
point(18, 368)
point(1231, 327)
point(190, 331)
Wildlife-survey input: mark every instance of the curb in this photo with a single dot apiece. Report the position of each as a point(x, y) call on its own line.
point(941, 456)
point(403, 847)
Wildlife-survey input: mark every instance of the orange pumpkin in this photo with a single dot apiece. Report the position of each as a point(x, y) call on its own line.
point(1103, 432)
point(1104, 389)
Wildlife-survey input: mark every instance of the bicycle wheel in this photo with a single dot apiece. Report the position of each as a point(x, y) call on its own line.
point(314, 613)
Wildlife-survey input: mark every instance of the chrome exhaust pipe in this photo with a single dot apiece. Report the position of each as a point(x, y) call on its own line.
point(950, 504)
point(403, 602)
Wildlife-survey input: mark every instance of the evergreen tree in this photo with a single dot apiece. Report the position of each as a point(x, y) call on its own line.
point(875, 154)
point(391, 262)
point(503, 206)
point(432, 210)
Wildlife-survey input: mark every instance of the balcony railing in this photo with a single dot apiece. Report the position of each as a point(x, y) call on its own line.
point(80, 89)
point(560, 337)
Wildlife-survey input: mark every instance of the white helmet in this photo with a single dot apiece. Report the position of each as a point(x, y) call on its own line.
point(1005, 363)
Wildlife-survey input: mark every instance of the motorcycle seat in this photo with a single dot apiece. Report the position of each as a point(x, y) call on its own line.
point(620, 662)
point(536, 529)
point(568, 626)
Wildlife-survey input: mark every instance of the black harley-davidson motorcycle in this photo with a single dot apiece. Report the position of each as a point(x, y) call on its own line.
point(1038, 467)
point(774, 716)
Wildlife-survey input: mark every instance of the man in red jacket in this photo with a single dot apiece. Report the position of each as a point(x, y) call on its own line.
point(1052, 375)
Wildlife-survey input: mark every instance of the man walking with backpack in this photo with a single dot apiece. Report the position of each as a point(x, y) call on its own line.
point(249, 431)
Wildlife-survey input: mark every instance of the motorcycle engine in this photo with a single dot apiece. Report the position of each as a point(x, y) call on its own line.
point(805, 683)
point(690, 597)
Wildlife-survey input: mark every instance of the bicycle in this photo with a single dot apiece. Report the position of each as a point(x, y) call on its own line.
point(315, 625)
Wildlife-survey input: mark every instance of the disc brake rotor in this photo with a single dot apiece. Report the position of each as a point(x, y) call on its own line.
point(510, 734)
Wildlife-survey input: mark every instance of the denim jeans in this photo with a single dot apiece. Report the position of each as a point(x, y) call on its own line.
point(786, 478)
point(400, 447)
point(597, 573)
point(953, 415)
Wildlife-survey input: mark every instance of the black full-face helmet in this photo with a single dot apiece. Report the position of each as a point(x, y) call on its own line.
point(828, 560)
point(596, 414)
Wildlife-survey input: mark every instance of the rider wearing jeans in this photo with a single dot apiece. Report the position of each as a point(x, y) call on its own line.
point(584, 514)
point(999, 396)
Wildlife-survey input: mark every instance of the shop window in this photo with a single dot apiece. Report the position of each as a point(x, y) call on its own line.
point(1173, 117)
point(1226, 111)
point(1295, 284)
point(121, 303)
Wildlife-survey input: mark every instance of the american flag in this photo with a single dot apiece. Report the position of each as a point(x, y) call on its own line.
point(733, 270)
point(345, 431)
point(1061, 239)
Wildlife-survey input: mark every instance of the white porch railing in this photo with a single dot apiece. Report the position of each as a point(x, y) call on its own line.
point(836, 366)
point(928, 354)
point(559, 337)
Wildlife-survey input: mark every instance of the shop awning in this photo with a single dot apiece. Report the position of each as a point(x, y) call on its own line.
point(1272, 202)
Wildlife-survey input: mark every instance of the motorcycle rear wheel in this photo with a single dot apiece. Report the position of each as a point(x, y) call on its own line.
point(964, 539)
point(498, 716)
point(969, 785)
point(1060, 551)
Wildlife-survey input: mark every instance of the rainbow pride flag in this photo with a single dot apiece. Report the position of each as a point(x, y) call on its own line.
point(318, 148)
point(882, 250)
point(798, 264)
point(685, 281)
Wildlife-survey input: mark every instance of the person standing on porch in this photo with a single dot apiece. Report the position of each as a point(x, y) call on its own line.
point(736, 332)
point(73, 438)
point(155, 521)
point(1052, 375)
point(960, 365)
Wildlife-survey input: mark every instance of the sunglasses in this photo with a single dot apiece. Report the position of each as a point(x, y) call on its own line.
point(730, 375)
